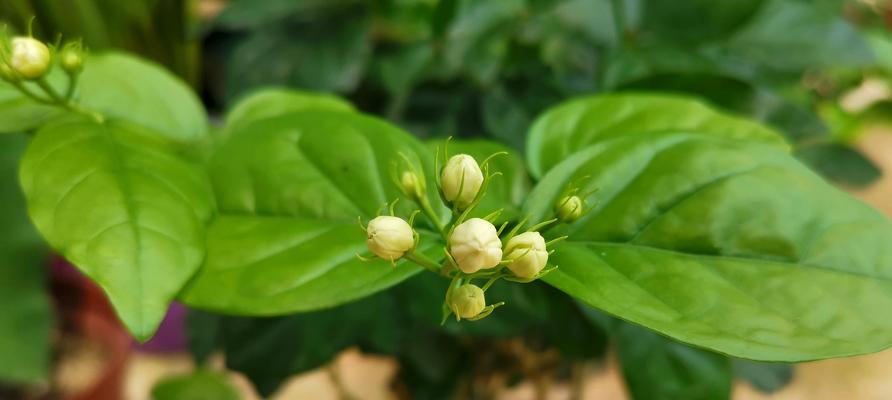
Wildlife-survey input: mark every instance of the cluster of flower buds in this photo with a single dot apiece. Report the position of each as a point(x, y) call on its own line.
point(24, 59)
point(475, 248)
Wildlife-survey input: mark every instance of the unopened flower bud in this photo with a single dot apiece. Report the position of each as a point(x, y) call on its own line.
point(467, 301)
point(411, 185)
point(389, 237)
point(460, 180)
point(71, 60)
point(528, 254)
point(30, 58)
point(569, 209)
point(475, 245)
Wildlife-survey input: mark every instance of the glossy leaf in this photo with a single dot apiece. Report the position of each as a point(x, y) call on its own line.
point(272, 102)
point(200, 385)
point(290, 190)
point(577, 123)
point(125, 87)
point(116, 202)
point(725, 244)
point(658, 368)
point(25, 313)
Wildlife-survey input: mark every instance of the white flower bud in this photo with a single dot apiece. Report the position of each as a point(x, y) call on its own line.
point(467, 301)
point(528, 253)
point(389, 237)
point(569, 209)
point(30, 58)
point(461, 180)
point(475, 245)
point(411, 185)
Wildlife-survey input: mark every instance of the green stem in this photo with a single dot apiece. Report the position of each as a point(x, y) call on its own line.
point(27, 92)
point(429, 211)
point(51, 92)
point(423, 261)
point(72, 84)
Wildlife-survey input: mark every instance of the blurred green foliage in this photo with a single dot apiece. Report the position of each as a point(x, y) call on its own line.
point(470, 68)
point(161, 30)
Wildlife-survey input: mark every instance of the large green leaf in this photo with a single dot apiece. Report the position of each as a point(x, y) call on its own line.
point(657, 368)
point(25, 315)
point(577, 123)
point(271, 102)
point(125, 87)
point(116, 202)
point(289, 191)
point(726, 244)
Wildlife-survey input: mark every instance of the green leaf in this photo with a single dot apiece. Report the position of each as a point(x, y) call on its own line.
point(290, 190)
point(766, 377)
point(125, 87)
point(18, 113)
point(25, 313)
point(505, 191)
point(309, 56)
point(795, 36)
point(200, 385)
point(694, 21)
point(840, 163)
point(571, 126)
point(273, 102)
point(726, 244)
point(660, 369)
point(116, 202)
point(478, 37)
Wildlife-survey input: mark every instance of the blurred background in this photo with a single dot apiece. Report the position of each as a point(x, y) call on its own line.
point(819, 71)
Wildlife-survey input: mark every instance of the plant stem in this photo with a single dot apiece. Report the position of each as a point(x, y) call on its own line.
point(27, 92)
point(51, 92)
point(423, 261)
point(72, 84)
point(429, 211)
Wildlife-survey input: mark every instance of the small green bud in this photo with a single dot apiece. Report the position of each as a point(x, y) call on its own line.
point(467, 301)
point(71, 60)
point(30, 58)
point(389, 237)
point(411, 185)
point(475, 245)
point(460, 180)
point(569, 209)
point(528, 254)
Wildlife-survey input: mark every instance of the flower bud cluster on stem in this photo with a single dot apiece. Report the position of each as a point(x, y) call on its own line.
point(26, 62)
point(476, 249)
